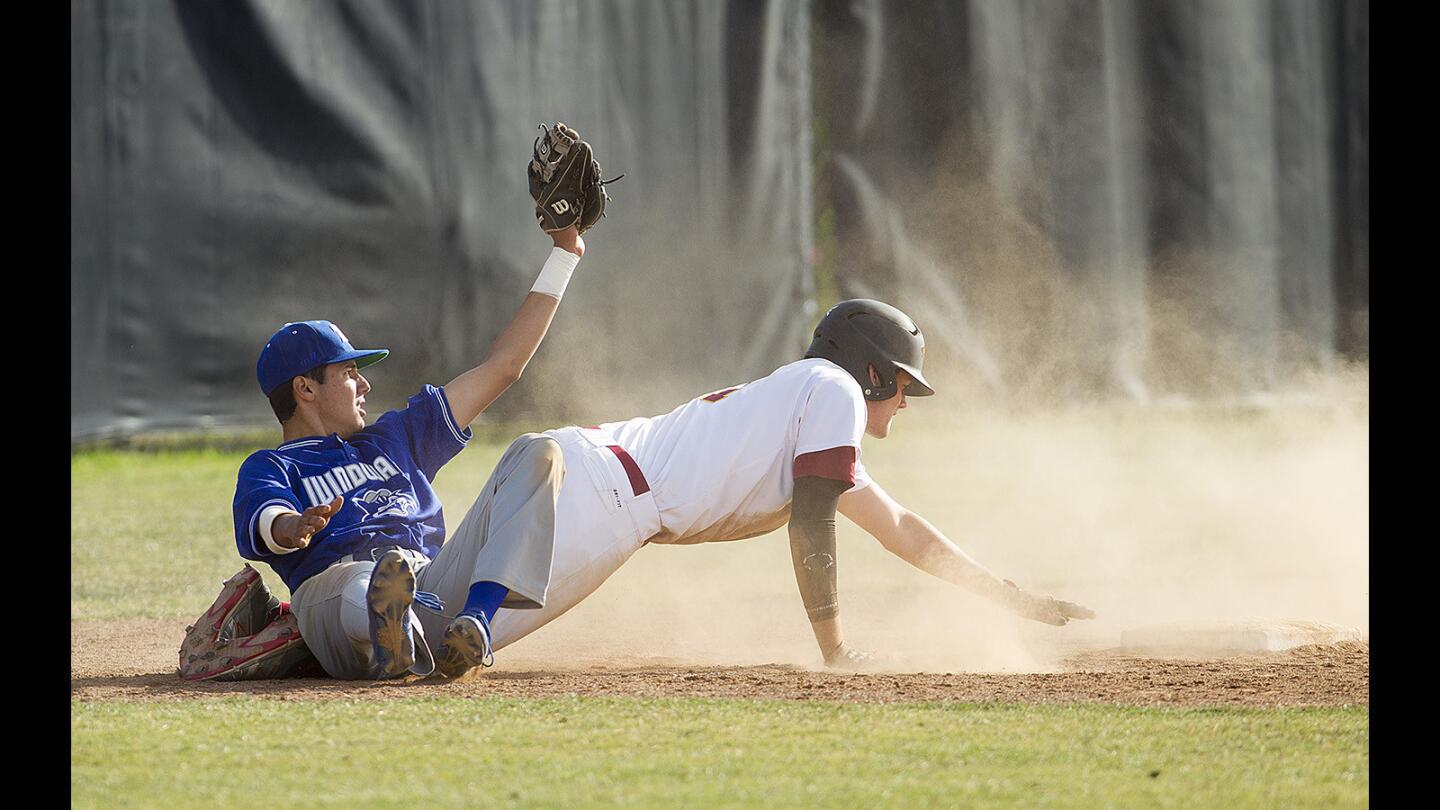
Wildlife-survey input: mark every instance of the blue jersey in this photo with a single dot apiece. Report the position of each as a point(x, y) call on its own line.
point(384, 471)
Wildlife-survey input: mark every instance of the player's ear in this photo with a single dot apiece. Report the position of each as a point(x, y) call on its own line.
point(303, 387)
point(874, 376)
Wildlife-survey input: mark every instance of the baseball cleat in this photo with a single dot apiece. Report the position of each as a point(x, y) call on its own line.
point(466, 644)
point(391, 592)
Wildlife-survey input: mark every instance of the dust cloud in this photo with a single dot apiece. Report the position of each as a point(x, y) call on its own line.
point(1134, 432)
point(1146, 515)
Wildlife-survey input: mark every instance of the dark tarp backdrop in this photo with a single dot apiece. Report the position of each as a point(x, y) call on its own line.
point(1123, 199)
point(238, 165)
point(1119, 198)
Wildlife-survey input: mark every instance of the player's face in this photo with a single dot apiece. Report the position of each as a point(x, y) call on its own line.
point(881, 413)
point(341, 398)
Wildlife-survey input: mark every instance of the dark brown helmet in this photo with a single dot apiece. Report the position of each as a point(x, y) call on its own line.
point(861, 333)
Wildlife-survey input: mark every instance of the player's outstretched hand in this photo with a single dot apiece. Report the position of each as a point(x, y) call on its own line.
point(295, 531)
point(848, 659)
point(1070, 610)
point(1044, 608)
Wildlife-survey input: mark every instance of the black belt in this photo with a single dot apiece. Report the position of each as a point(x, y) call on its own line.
point(374, 554)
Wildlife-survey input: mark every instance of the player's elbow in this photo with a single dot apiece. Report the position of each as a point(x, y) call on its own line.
point(898, 535)
point(506, 371)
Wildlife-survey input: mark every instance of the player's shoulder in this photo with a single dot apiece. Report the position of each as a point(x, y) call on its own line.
point(428, 401)
point(429, 392)
point(288, 455)
point(822, 377)
point(266, 462)
point(811, 368)
point(262, 456)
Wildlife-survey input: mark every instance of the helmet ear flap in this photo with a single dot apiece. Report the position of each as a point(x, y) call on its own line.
point(878, 388)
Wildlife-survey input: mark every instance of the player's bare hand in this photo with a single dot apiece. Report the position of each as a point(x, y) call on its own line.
point(569, 239)
point(848, 659)
point(1070, 610)
point(1044, 608)
point(295, 531)
point(1053, 611)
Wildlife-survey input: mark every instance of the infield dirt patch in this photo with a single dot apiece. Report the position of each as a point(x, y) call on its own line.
point(135, 661)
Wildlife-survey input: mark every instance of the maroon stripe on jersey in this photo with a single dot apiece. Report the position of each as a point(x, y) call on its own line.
point(721, 394)
point(638, 484)
point(837, 464)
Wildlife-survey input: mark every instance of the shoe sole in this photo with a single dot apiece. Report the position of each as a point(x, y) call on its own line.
point(391, 593)
point(465, 641)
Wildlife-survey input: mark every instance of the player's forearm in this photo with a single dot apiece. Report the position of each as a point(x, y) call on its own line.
point(812, 552)
point(917, 542)
point(477, 389)
point(520, 339)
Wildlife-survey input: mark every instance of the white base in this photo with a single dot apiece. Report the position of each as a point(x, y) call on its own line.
point(1232, 637)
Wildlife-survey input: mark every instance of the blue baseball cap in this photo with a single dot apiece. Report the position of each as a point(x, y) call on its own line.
point(301, 346)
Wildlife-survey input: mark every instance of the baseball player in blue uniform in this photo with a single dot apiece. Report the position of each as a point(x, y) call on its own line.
point(347, 516)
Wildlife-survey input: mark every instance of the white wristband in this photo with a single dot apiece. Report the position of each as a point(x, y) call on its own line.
point(267, 517)
point(555, 275)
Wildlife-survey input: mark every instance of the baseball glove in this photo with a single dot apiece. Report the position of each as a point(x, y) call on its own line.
point(247, 634)
point(565, 181)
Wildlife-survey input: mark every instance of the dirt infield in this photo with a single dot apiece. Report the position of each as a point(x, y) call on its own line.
point(141, 667)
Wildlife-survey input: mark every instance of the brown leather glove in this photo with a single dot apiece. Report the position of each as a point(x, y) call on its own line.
point(565, 181)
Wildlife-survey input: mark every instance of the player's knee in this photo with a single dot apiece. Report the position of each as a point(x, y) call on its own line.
point(542, 455)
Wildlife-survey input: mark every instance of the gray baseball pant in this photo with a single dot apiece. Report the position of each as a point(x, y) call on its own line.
point(507, 537)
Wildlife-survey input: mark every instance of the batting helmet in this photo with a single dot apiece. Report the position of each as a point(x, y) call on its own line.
point(861, 333)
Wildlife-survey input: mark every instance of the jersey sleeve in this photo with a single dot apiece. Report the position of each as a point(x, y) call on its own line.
point(427, 426)
point(862, 478)
point(263, 483)
point(831, 426)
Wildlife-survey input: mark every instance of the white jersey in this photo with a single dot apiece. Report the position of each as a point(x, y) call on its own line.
point(723, 466)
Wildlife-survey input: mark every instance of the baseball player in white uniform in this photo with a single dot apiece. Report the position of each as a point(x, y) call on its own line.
point(742, 461)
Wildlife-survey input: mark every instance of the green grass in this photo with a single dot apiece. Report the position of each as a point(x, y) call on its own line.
point(146, 530)
point(452, 752)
